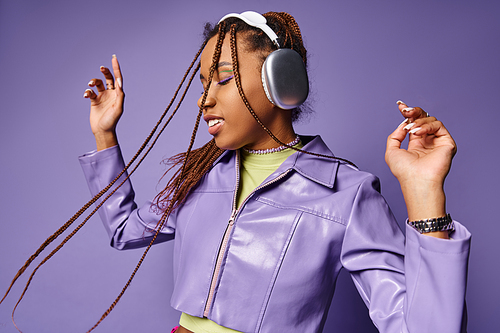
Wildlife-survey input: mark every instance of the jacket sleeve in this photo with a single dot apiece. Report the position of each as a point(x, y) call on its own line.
point(413, 286)
point(127, 225)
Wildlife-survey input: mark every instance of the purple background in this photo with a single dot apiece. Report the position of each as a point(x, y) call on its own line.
point(364, 55)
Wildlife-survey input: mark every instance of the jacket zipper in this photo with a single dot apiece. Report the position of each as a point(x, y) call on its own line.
point(227, 233)
point(218, 264)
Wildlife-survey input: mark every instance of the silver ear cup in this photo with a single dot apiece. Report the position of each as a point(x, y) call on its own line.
point(284, 78)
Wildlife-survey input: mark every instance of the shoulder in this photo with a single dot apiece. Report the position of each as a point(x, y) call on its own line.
point(349, 176)
point(325, 169)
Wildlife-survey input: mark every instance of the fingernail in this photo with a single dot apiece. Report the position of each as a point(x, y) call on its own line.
point(91, 82)
point(114, 56)
point(415, 129)
point(102, 68)
point(119, 81)
point(404, 122)
point(407, 127)
point(408, 109)
point(400, 102)
point(85, 94)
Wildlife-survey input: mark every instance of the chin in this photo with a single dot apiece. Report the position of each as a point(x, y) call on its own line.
point(222, 144)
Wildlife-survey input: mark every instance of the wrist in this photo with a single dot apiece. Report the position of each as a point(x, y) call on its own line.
point(105, 140)
point(439, 227)
point(424, 200)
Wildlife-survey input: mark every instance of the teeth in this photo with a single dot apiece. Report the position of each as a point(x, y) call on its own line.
point(213, 122)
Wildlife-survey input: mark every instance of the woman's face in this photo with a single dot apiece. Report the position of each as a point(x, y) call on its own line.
point(228, 119)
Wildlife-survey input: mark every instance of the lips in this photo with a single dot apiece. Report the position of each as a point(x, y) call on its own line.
point(214, 124)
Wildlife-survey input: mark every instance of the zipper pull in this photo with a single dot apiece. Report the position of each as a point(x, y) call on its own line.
point(231, 219)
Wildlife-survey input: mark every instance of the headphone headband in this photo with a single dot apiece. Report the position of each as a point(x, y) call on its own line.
point(255, 19)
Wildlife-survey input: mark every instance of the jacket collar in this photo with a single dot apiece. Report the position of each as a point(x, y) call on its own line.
point(321, 170)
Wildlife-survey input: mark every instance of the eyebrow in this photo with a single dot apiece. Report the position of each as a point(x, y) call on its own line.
point(220, 64)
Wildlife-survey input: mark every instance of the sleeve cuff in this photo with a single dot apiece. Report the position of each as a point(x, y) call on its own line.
point(459, 240)
point(94, 155)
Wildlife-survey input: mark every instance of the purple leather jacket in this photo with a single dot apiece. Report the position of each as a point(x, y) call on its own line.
point(271, 265)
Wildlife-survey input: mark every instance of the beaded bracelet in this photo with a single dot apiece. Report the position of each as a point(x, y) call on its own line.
point(444, 223)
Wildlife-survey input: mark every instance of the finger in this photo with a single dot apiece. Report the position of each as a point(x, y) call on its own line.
point(110, 81)
point(429, 126)
point(433, 128)
point(397, 137)
point(400, 102)
point(89, 93)
point(418, 124)
point(98, 84)
point(411, 113)
point(117, 71)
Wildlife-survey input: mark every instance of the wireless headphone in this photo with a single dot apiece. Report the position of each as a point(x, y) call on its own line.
point(284, 74)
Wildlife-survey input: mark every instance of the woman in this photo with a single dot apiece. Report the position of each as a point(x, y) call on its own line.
point(264, 219)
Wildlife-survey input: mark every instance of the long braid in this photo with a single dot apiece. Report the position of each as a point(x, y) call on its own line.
point(234, 58)
point(180, 185)
point(236, 71)
point(194, 163)
point(198, 163)
point(61, 230)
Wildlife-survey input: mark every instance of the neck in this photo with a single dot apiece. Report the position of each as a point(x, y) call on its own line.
point(274, 149)
point(283, 131)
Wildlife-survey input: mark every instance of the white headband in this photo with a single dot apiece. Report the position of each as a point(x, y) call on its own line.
point(255, 20)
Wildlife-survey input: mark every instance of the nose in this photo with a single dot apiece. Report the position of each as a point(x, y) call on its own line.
point(209, 101)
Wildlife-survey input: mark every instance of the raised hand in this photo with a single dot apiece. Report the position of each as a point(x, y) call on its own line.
point(421, 168)
point(106, 107)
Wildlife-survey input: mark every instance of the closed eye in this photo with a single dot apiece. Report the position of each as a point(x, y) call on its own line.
point(225, 81)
